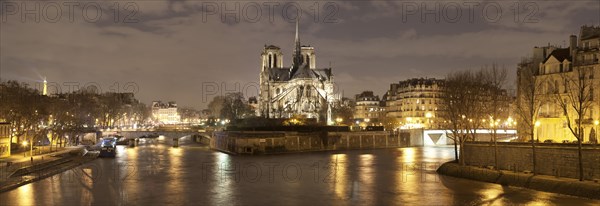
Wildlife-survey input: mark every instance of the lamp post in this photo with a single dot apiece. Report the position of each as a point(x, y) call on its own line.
point(24, 143)
point(537, 124)
point(596, 123)
point(31, 146)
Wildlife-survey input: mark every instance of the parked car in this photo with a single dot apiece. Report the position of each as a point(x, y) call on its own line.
point(566, 141)
point(548, 141)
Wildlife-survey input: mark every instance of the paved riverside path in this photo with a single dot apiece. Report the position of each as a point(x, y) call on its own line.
point(31, 168)
point(17, 161)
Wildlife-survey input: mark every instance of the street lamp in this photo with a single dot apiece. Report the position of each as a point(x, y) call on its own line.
point(24, 143)
point(428, 115)
point(537, 124)
point(338, 120)
point(596, 123)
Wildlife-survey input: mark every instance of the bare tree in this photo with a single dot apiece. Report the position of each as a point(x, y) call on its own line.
point(575, 102)
point(458, 105)
point(235, 106)
point(468, 98)
point(344, 110)
point(529, 102)
point(496, 103)
point(215, 106)
point(452, 113)
point(23, 107)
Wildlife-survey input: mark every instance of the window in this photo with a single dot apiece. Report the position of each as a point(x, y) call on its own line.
point(560, 69)
point(270, 60)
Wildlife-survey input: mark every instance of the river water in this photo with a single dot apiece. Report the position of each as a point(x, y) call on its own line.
point(154, 173)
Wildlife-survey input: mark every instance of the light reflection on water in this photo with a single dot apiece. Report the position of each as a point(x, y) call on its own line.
point(340, 165)
point(365, 186)
point(224, 174)
point(25, 195)
point(154, 173)
point(175, 185)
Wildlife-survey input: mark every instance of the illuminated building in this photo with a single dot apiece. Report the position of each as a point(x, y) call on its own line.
point(301, 89)
point(165, 113)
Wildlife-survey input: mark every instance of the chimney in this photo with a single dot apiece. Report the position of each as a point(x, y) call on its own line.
point(572, 45)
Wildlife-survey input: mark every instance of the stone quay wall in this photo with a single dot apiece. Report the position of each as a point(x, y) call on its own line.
point(291, 142)
point(555, 159)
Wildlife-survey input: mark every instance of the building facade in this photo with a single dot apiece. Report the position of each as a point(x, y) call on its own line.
point(5, 139)
point(165, 113)
point(368, 108)
point(415, 103)
point(301, 89)
point(565, 76)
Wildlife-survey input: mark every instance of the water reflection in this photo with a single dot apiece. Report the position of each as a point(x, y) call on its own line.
point(25, 195)
point(175, 185)
point(340, 167)
point(408, 154)
point(157, 174)
point(366, 177)
point(223, 176)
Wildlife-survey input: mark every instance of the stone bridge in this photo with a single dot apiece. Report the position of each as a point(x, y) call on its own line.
point(175, 136)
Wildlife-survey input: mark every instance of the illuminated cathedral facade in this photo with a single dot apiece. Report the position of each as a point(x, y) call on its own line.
point(301, 89)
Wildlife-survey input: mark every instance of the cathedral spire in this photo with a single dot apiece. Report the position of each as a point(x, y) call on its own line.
point(297, 40)
point(297, 51)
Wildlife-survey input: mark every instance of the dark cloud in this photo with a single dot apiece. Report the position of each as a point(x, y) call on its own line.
point(174, 50)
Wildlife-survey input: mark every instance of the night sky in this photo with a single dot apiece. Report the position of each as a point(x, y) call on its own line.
point(170, 49)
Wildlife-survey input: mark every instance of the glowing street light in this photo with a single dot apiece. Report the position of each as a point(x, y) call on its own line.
point(428, 115)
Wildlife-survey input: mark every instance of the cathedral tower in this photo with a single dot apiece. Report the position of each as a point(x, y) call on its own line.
point(271, 57)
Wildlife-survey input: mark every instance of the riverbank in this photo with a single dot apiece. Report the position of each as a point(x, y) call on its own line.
point(29, 170)
point(285, 142)
point(567, 186)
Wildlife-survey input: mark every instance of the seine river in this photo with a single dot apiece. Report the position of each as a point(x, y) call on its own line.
point(154, 173)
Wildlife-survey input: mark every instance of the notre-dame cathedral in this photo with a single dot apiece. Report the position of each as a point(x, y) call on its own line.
point(301, 89)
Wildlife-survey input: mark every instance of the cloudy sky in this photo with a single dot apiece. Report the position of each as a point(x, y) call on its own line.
point(189, 51)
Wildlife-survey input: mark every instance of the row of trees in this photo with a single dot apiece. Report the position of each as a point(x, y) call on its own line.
point(473, 100)
point(34, 115)
point(234, 106)
point(575, 102)
point(571, 92)
point(231, 106)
